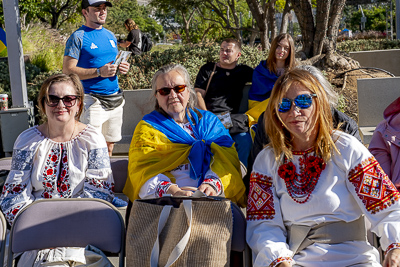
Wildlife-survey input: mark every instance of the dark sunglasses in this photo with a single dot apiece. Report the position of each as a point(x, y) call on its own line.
point(166, 91)
point(301, 101)
point(68, 100)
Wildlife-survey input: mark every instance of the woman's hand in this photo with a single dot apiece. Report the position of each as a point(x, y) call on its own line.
point(392, 259)
point(284, 264)
point(175, 191)
point(124, 67)
point(207, 189)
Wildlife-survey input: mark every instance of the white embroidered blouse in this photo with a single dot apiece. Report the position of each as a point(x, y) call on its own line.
point(351, 184)
point(42, 168)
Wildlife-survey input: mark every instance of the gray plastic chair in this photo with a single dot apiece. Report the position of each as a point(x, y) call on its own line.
point(239, 243)
point(119, 167)
point(73, 222)
point(3, 230)
point(5, 163)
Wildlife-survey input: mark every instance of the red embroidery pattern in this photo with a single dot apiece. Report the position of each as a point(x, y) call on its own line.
point(300, 186)
point(162, 188)
point(280, 260)
point(373, 186)
point(13, 189)
point(10, 215)
point(260, 205)
point(215, 183)
point(56, 174)
point(99, 184)
point(391, 247)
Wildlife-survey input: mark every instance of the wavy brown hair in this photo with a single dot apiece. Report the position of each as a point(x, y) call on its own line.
point(280, 136)
point(290, 61)
point(130, 23)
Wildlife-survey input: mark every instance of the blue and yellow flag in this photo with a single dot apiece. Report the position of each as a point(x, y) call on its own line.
point(160, 145)
point(3, 42)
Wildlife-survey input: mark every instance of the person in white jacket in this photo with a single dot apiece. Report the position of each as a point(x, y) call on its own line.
point(312, 187)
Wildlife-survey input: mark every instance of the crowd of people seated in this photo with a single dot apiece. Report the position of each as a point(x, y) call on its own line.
point(310, 185)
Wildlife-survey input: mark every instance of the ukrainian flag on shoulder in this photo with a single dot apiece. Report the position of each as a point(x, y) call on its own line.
point(3, 42)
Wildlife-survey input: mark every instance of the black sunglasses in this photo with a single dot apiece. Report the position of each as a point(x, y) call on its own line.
point(68, 100)
point(166, 91)
point(301, 101)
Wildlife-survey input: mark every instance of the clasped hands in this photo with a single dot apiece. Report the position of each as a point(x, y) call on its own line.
point(176, 191)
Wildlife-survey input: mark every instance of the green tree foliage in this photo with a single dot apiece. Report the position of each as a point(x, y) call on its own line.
point(57, 12)
point(181, 12)
point(124, 9)
point(232, 15)
point(52, 12)
point(28, 9)
point(376, 17)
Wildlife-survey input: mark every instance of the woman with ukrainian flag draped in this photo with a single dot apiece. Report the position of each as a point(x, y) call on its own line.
point(178, 148)
point(280, 58)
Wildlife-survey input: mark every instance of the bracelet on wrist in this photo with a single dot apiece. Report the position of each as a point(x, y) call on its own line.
point(98, 72)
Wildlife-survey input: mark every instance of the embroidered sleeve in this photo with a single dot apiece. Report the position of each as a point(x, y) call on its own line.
point(373, 186)
point(260, 204)
point(99, 182)
point(212, 179)
point(17, 188)
point(215, 183)
point(162, 188)
point(379, 199)
point(265, 233)
point(156, 186)
point(280, 260)
point(391, 247)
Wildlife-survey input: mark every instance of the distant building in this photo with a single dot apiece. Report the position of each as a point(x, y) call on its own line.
point(143, 2)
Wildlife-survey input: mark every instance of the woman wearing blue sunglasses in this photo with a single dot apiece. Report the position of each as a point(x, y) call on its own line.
point(312, 186)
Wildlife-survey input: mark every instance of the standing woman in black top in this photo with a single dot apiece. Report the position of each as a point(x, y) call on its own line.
point(134, 41)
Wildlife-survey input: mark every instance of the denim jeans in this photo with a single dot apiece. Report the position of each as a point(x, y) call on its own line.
point(243, 144)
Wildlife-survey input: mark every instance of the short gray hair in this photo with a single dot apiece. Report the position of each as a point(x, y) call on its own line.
point(186, 77)
point(332, 96)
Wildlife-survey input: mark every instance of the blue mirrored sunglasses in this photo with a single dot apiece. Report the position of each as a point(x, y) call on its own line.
point(301, 101)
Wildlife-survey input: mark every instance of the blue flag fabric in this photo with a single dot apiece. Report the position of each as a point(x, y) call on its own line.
point(207, 130)
point(3, 41)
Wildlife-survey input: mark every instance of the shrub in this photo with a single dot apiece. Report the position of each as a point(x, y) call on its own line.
point(192, 57)
point(368, 45)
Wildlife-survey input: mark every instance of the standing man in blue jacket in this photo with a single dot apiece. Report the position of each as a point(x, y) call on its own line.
point(90, 53)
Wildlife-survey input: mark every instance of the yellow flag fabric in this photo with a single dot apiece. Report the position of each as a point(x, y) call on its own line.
point(255, 110)
point(152, 153)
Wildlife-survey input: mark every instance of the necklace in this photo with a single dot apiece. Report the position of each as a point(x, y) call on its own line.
point(300, 186)
point(48, 131)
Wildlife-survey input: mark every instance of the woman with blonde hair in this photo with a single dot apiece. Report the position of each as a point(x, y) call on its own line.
point(312, 186)
point(133, 42)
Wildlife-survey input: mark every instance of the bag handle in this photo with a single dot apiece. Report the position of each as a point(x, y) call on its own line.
point(209, 80)
point(180, 247)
